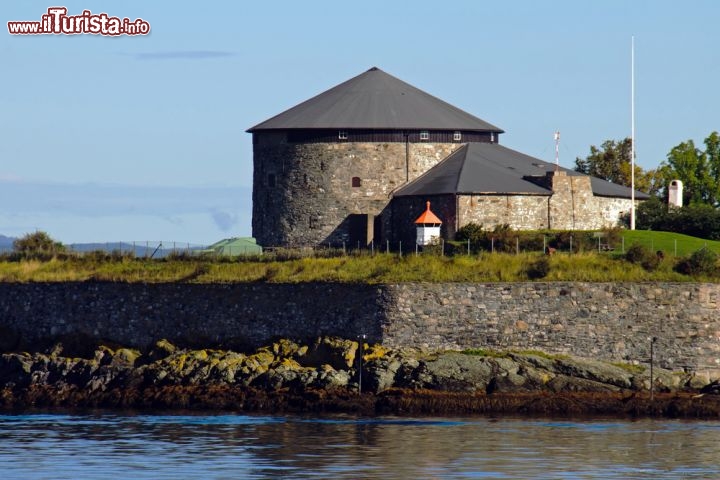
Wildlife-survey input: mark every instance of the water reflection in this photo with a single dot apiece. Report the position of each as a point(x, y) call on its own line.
point(238, 446)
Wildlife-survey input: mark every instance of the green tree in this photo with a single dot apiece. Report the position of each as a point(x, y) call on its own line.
point(699, 170)
point(610, 162)
point(689, 164)
point(712, 154)
point(651, 214)
point(37, 245)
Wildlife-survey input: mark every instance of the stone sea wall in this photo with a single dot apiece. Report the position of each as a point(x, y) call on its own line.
point(612, 321)
point(136, 315)
point(609, 321)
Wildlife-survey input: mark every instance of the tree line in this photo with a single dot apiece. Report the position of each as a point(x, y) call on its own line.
point(697, 168)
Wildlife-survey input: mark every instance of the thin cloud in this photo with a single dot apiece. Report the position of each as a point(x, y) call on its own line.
point(9, 177)
point(183, 55)
point(224, 221)
point(93, 200)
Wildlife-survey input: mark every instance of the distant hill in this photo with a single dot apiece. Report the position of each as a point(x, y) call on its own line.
point(140, 250)
point(6, 243)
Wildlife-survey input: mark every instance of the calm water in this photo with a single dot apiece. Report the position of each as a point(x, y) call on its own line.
point(239, 446)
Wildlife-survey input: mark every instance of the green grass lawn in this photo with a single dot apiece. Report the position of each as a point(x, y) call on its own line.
point(673, 244)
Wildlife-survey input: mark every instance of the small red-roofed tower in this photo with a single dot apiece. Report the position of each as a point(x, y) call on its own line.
point(428, 227)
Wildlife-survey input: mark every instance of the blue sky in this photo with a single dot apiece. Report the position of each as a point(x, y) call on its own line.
point(143, 138)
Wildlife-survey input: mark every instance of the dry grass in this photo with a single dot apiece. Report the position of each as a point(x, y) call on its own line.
point(380, 268)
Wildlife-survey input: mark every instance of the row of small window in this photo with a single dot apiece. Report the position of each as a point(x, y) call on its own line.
point(424, 135)
point(271, 181)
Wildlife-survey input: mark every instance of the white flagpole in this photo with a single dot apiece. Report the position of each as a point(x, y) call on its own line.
point(632, 133)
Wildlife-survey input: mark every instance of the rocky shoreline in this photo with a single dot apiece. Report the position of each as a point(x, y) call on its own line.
point(331, 375)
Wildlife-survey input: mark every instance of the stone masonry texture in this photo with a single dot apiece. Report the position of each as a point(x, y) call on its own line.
point(303, 192)
point(609, 321)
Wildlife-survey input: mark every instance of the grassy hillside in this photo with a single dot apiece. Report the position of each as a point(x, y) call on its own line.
point(383, 268)
point(667, 242)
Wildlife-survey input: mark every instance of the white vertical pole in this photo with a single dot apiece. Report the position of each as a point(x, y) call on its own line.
point(632, 133)
point(557, 151)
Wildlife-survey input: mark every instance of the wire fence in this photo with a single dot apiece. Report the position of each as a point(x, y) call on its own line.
point(513, 244)
point(142, 249)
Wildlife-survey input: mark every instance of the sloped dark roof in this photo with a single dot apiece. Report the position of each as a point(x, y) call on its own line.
point(488, 168)
point(375, 100)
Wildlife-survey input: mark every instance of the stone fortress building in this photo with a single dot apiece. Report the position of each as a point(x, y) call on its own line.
point(356, 164)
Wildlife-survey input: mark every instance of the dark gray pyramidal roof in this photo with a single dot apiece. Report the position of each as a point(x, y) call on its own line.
point(488, 168)
point(375, 100)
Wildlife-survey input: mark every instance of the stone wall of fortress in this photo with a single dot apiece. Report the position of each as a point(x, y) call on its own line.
point(305, 194)
point(611, 321)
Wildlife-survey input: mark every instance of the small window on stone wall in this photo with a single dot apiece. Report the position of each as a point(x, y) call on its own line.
point(271, 179)
point(424, 135)
point(356, 182)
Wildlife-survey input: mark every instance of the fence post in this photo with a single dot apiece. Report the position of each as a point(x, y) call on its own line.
point(675, 241)
point(517, 245)
point(372, 247)
point(442, 243)
point(623, 244)
point(401, 248)
point(492, 244)
point(544, 243)
point(387, 246)
point(468, 247)
point(416, 249)
point(652, 363)
point(571, 244)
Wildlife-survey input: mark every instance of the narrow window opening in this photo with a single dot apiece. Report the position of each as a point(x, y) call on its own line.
point(457, 136)
point(424, 135)
point(356, 182)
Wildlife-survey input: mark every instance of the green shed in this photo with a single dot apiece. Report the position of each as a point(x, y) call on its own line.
point(234, 246)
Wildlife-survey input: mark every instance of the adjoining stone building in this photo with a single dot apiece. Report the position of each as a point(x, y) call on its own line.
point(358, 163)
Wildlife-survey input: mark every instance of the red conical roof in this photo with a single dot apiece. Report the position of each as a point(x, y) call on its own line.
point(428, 216)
